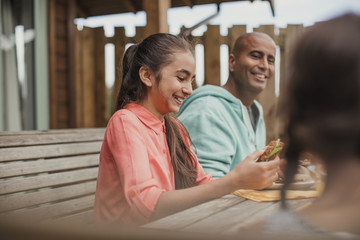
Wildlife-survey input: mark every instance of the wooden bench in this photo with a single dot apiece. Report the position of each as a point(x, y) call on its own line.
point(49, 175)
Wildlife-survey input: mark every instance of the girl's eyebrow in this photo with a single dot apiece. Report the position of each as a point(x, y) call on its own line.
point(186, 72)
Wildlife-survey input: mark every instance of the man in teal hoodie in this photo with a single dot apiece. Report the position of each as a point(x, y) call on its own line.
point(226, 123)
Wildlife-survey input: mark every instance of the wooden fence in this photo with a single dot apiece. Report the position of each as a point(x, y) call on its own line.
point(94, 102)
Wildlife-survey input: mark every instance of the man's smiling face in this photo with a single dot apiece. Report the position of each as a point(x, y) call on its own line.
point(255, 63)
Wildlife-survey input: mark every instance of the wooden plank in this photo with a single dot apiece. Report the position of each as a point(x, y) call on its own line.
point(260, 215)
point(21, 200)
point(267, 97)
point(48, 180)
point(156, 16)
point(287, 39)
point(86, 217)
point(45, 139)
point(14, 169)
point(119, 42)
point(183, 219)
point(79, 78)
point(101, 110)
point(52, 62)
point(70, 29)
point(48, 151)
point(246, 211)
point(233, 33)
point(88, 47)
point(52, 131)
point(56, 210)
point(212, 55)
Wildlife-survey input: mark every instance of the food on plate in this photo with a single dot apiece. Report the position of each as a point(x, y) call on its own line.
point(271, 151)
point(303, 174)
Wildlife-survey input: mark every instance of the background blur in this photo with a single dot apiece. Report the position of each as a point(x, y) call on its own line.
point(60, 59)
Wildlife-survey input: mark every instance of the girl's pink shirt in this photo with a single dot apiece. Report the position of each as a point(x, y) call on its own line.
point(135, 167)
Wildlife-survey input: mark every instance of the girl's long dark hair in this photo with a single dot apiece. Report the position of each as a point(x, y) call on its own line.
point(155, 52)
point(323, 95)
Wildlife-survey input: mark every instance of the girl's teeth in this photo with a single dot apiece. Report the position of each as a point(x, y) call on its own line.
point(260, 76)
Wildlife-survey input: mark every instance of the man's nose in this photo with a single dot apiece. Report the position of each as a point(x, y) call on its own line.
point(264, 64)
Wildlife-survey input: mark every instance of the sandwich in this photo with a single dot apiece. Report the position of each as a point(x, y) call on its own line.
point(271, 151)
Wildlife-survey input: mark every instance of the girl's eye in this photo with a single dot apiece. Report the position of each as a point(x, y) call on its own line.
point(180, 78)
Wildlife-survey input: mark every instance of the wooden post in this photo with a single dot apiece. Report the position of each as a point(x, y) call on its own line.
point(100, 87)
point(88, 78)
point(212, 55)
point(140, 34)
point(119, 41)
point(234, 33)
point(156, 16)
point(79, 69)
point(267, 98)
point(286, 40)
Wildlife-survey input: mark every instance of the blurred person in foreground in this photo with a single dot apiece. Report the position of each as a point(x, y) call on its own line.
point(226, 123)
point(323, 106)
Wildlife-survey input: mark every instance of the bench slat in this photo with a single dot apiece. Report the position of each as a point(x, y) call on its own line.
point(56, 150)
point(56, 210)
point(14, 169)
point(48, 180)
point(19, 201)
point(53, 131)
point(86, 217)
point(50, 138)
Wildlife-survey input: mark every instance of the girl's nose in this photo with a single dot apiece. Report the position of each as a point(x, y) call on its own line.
point(187, 88)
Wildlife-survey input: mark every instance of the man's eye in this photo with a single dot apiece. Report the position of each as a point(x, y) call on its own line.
point(180, 78)
point(271, 60)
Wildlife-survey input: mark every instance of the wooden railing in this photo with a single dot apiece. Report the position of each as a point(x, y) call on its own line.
point(95, 102)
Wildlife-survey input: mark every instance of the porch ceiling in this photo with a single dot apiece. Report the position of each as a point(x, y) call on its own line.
point(90, 8)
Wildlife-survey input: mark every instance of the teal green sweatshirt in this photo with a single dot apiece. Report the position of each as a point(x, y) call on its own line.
point(220, 128)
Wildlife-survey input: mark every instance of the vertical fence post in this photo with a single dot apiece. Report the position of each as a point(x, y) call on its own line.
point(100, 87)
point(212, 55)
point(119, 42)
point(234, 33)
point(267, 98)
point(286, 40)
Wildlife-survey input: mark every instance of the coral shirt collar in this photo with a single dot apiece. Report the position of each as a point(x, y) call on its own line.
point(146, 117)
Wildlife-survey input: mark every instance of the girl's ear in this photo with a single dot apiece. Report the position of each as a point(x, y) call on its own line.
point(146, 76)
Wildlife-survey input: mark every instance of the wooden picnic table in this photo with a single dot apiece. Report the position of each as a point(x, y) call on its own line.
point(226, 215)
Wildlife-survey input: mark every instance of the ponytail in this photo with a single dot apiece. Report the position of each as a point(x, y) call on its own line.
point(182, 158)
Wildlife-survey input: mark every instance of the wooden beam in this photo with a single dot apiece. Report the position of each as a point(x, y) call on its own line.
point(189, 3)
point(212, 55)
point(129, 6)
point(156, 16)
point(52, 64)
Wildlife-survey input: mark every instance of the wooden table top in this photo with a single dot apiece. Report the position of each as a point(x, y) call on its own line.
point(226, 215)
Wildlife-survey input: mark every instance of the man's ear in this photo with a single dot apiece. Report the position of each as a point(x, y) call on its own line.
point(232, 61)
point(146, 76)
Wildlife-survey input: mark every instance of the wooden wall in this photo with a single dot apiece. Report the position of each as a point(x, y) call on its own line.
point(93, 98)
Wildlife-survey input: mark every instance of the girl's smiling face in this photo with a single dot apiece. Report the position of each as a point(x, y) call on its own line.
point(174, 85)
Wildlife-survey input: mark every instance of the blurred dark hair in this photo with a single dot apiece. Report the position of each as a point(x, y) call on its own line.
point(154, 53)
point(323, 93)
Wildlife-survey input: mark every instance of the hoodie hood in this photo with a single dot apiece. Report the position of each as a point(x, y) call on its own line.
point(210, 90)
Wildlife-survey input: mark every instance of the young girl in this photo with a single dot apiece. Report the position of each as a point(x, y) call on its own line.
point(147, 168)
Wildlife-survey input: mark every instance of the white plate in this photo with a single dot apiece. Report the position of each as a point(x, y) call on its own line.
point(294, 186)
